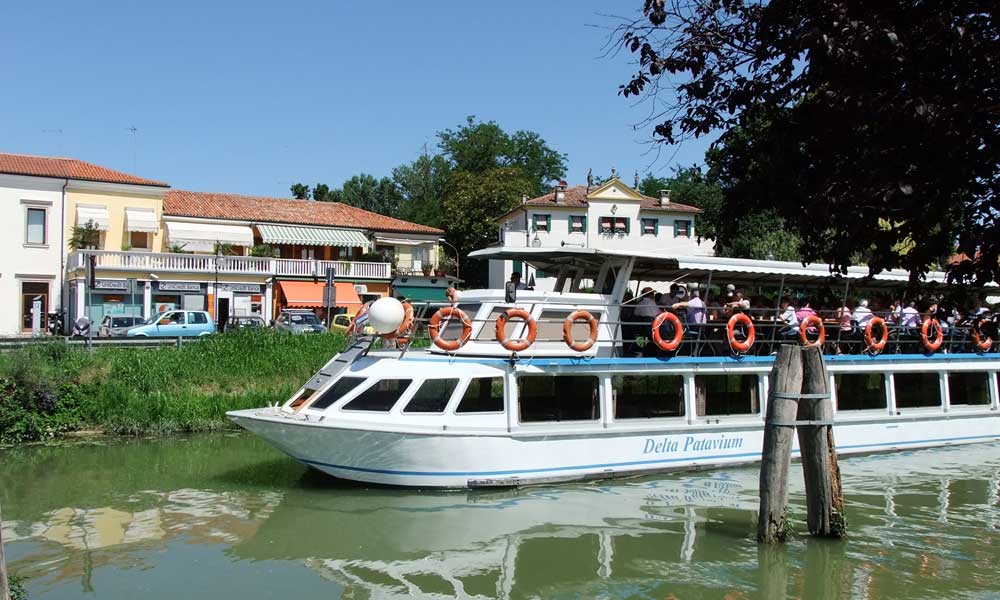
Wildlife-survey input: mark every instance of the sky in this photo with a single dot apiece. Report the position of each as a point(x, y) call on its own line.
point(251, 97)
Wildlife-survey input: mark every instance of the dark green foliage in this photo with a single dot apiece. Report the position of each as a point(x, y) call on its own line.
point(376, 195)
point(422, 185)
point(17, 591)
point(84, 237)
point(50, 389)
point(300, 191)
point(865, 126)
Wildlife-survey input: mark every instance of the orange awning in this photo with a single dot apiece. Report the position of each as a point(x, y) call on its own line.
point(306, 294)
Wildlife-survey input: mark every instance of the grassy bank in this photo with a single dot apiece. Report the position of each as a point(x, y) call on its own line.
point(51, 389)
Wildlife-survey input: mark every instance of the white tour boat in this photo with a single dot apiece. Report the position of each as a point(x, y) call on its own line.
point(469, 411)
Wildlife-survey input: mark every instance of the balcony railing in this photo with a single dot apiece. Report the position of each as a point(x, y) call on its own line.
point(151, 262)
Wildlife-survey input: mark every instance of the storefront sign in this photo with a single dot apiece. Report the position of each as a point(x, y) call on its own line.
point(177, 286)
point(110, 284)
point(249, 288)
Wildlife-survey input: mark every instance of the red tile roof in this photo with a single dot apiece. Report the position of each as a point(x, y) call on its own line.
point(577, 196)
point(67, 168)
point(181, 203)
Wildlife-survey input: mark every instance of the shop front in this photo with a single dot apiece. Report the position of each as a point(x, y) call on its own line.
point(115, 297)
point(308, 294)
point(241, 299)
point(171, 295)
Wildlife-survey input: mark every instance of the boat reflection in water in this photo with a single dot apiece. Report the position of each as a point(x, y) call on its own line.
point(921, 523)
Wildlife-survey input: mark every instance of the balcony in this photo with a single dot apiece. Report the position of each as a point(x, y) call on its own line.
point(152, 262)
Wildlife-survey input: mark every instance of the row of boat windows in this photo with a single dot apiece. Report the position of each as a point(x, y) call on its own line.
point(577, 397)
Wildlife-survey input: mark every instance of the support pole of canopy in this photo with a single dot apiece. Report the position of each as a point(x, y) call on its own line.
point(777, 311)
point(843, 304)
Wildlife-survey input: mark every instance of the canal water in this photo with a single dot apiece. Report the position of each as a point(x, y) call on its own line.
point(226, 516)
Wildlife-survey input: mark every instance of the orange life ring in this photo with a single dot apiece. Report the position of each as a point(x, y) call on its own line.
point(804, 331)
point(672, 344)
point(876, 344)
point(352, 328)
point(446, 312)
point(516, 345)
point(930, 345)
point(747, 322)
point(583, 345)
point(402, 334)
point(977, 337)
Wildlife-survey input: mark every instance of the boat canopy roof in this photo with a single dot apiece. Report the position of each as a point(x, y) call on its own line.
point(651, 266)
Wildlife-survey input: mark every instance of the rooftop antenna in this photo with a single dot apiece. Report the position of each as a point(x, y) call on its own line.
point(133, 130)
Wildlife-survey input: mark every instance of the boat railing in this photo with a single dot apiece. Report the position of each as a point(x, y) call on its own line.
point(720, 332)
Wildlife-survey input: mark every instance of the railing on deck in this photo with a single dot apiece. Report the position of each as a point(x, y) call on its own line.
point(241, 265)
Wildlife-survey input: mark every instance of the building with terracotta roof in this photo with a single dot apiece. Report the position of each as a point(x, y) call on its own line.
point(42, 199)
point(609, 216)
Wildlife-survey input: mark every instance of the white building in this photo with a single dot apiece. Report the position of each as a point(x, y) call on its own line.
point(31, 243)
point(611, 216)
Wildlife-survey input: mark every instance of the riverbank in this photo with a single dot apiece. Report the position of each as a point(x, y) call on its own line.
point(49, 390)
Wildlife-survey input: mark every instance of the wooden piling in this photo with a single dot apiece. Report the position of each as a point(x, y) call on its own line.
point(4, 583)
point(824, 502)
point(785, 380)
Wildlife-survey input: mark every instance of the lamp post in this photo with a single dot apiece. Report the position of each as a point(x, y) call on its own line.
point(445, 242)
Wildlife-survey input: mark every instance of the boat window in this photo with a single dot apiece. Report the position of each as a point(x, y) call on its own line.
point(484, 394)
point(916, 390)
point(648, 396)
point(338, 390)
point(550, 325)
point(717, 395)
point(304, 395)
point(559, 398)
point(971, 389)
point(453, 327)
point(489, 331)
point(380, 397)
point(432, 396)
point(860, 391)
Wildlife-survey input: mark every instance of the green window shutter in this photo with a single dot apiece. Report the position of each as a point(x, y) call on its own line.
point(534, 222)
point(628, 226)
point(518, 268)
point(585, 223)
point(677, 228)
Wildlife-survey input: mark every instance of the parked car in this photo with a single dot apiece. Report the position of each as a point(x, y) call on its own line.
point(343, 321)
point(245, 322)
point(299, 321)
point(117, 326)
point(176, 323)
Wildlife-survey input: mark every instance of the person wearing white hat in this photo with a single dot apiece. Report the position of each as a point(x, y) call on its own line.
point(862, 314)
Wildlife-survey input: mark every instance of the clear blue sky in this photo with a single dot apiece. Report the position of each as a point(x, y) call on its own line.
point(253, 96)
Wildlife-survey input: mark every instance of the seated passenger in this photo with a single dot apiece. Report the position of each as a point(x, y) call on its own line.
point(737, 303)
point(909, 317)
point(862, 315)
point(646, 308)
point(788, 318)
point(694, 309)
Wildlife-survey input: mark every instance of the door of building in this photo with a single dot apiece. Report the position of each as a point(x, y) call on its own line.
point(29, 291)
point(223, 312)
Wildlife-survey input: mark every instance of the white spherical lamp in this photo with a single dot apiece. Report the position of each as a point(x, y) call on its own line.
point(385, 315)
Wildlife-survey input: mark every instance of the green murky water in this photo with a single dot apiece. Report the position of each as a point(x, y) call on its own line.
point(226, 516)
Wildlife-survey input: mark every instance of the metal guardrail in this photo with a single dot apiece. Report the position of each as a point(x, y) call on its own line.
point(13, 343)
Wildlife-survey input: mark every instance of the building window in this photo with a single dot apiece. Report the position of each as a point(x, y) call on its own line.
point(618, 225)
point(682, 228)
point(577, 224)
point(36, 232)
point(542, 222)
point(649, 226)
point(138, 240)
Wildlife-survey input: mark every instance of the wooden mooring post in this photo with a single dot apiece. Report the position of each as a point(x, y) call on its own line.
point(799, 399)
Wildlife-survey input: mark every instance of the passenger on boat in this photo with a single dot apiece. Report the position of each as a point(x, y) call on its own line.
point(909, 317)
point(737, 304)
point(862, 315)
point(515, 278)
point(694, 309)
point(646, 308)
point(790, 322)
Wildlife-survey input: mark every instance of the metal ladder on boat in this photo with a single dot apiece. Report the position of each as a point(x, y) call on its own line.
point(340, 363)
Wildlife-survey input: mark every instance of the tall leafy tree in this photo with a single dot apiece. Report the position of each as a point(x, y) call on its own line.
point(473, 201)
point(862, 125)
point(367, 192)
point(421, 185)
point(300, 191)
point(478, 147)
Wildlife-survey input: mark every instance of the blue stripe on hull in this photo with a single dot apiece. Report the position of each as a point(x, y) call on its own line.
point(620, 464)
point(701, 360)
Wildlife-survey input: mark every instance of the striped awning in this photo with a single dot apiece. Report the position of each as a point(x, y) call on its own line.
point(203, 237)
point(312, 236)
point(93, 213)
point(141, 219)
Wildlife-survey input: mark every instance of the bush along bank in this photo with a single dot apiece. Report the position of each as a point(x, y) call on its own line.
point(51, 389)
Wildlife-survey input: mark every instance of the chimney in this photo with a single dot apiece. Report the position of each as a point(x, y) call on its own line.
point(560, 192)
point(664, 197)
point(524, 198)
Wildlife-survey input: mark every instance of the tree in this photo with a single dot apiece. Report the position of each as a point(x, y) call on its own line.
point(376, 195)
point(320, 192)
point(300, 191)
point(84, 237)
point(478, 147)
point(472, 202)
point(421, 185)
point(861, 125)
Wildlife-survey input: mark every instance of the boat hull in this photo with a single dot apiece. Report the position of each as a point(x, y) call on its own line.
point(445, 460)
